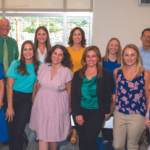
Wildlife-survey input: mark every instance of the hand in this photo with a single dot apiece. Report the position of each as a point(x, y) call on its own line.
point(147, 121)
point(79, 120)
point(107, 116)
point(9, 114)
point(113, 97)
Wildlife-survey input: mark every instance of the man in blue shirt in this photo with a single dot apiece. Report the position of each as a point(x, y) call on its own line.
point(145, 55)
point(145, 48)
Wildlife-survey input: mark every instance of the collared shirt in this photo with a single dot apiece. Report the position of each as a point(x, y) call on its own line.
point(42, 57)
point(145, 55)
point(13, 52)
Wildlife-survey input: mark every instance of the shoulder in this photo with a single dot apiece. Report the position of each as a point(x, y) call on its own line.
point(15, 63)
point(147, 73)
point(45, 65)
point(141, 49)
point(68, 48)
point(84, 47)
point(115, 71)
point(12, 40)
point(77, 73)
point(66, 70)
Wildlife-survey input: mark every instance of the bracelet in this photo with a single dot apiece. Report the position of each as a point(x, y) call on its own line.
point(2, 104)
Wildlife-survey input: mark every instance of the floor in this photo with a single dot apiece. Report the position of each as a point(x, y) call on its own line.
point(64, 145)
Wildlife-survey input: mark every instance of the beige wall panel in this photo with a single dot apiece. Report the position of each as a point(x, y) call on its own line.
point(0, 3)
point(28, 4)
point(79, 4)
point(123, 19)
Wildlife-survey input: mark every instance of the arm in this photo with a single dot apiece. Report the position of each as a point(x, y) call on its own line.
point(1, 92)
point(115, 75)
point(108, 92)
point(35, 90)
point(76, 99)
point(114, 95)
point(68, 88)
point(147, 93)
point(10, 111)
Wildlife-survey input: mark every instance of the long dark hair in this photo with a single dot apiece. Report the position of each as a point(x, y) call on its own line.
point(70, 40)
point(22, 67)
point(66, 60)
point(48, 44)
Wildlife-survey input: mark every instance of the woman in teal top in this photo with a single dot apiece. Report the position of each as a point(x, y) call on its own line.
point(21, 77)
point(91, 91)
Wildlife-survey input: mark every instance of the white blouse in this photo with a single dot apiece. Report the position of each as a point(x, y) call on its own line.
point(42, 57)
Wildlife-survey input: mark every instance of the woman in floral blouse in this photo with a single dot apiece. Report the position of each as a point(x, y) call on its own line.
point(132, 93)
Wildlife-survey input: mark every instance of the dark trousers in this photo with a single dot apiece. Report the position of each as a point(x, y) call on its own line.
point(22, 108)
point(90, 129)
point(107, 134)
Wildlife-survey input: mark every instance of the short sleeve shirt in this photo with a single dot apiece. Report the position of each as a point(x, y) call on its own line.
point(23, 83)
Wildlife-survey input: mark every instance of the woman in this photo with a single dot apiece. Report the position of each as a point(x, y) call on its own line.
point(42, 45)
point(50, 112)
point(111, 61)
point(91, 91)
point(132, 93)
point(21, 77)
point(3, 127)
point(76, 48)
point(42, 42)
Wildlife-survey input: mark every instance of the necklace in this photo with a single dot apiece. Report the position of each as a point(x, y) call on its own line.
point(90, 73)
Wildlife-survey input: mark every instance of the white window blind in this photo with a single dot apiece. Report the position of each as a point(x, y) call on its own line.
point(46, 5)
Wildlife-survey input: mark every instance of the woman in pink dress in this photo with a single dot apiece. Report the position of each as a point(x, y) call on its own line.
point(50, 112)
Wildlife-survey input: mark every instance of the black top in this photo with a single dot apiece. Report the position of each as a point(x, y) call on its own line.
point(104, 91)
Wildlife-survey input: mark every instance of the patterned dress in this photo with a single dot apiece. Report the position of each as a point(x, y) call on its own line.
point(131, 94)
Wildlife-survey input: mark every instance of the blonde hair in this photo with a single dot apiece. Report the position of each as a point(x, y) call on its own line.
point(138, 62)
point(98, 65)
point(118, 53)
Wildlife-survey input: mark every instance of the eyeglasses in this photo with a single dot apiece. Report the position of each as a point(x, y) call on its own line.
point(146, 36)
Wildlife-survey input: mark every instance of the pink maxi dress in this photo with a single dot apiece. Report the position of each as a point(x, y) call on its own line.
point(50, 112)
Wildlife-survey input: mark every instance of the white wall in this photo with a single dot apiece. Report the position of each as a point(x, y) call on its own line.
point(123, 19)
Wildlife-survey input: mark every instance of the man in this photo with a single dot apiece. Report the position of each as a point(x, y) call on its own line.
point(8, 51)
point(145, 48)
point(8, 46)
point(145, 56)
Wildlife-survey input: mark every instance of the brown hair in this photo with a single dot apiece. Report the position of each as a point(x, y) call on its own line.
point(48, 44)
point(118, 53)
point(66, 60)
point(70, 40)
point(99, 63)
point(139, 65)
point(22, 67)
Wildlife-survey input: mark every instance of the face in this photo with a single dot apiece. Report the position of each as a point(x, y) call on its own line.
point(113, 47)
point(130, 56)
point(41, 36)
point(57, 56)
point(77, 36)
point(146, 40)
point(91, 58)
point(28, 53)
point(4, 27)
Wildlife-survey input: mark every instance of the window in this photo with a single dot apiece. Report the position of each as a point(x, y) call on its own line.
point(59, 25)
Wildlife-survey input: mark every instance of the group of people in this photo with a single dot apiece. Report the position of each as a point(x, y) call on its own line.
point(49, 83)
